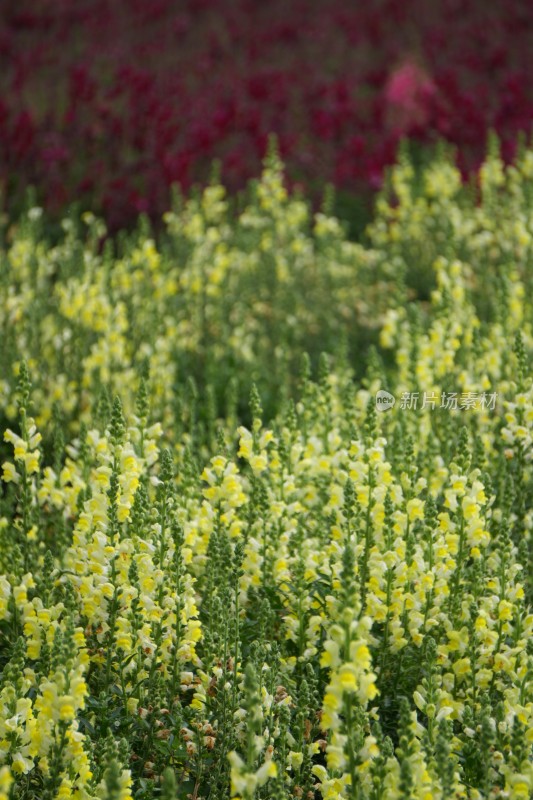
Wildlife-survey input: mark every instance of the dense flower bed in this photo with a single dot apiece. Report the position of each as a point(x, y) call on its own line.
point(330, 600)
point(113, 101)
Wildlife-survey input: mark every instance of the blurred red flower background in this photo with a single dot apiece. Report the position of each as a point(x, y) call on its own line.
point(110, 102)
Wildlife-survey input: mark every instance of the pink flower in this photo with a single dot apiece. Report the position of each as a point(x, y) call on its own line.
point(409, 94)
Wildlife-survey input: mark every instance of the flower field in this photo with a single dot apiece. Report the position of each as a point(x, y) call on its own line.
point(109, 102)
point(266, 508)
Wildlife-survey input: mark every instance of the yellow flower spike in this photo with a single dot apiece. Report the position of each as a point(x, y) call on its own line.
point(347, 676)
point(415, 509)
point(21, 765)
point(6, 781)
point(505, 610)
point(9, 473)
